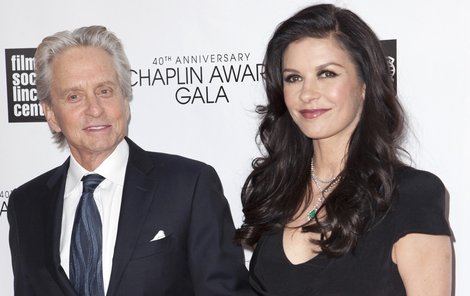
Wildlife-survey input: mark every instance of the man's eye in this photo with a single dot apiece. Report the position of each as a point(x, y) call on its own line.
point(73, 98)
point(105, 92)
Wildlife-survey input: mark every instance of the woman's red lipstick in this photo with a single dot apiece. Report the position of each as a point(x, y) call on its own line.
point(313, 113)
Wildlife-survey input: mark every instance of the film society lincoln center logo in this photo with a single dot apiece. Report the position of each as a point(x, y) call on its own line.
point(23, 104)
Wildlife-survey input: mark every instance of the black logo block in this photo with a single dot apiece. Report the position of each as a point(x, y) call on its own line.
point(23, 104)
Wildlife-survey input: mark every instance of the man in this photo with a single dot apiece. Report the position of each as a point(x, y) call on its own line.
point(156, 224)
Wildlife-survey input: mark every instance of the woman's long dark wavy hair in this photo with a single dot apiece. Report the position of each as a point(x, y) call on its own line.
point(280, 181)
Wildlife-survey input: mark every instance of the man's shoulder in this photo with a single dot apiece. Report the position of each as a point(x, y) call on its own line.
point(38, 183)
point(176, 162)
point(166, 164)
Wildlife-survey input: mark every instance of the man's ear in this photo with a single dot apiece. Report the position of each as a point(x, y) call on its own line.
point(50, 117)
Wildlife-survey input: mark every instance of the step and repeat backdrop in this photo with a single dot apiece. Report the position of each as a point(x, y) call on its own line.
point(197, 77)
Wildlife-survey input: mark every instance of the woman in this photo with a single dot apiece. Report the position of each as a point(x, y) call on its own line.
point(331, 209)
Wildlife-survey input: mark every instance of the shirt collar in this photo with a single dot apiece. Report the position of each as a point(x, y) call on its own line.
point(113, 168)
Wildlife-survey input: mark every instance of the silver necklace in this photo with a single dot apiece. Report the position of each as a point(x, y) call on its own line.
point(330, 184)
point(316, 179)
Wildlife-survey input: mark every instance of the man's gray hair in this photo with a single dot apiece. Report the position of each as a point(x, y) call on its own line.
point(93, 36)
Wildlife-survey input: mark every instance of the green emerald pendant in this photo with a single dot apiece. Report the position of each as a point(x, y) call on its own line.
point(312, 214)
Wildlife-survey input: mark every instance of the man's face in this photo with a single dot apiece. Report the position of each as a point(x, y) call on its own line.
point(87, 104)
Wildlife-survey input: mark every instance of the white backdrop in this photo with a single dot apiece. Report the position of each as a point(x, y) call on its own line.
point(433, 44)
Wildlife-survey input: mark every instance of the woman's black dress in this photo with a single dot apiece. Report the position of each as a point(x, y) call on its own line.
point(418, 207)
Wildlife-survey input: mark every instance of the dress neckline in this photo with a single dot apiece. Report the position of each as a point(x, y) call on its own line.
point(319, 259)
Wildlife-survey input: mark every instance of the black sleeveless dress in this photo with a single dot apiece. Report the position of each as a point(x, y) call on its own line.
point(418, 207)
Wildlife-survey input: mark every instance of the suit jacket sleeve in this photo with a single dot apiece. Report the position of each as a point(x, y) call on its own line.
point(20, 283)
point(32, 209)
point(216, 262)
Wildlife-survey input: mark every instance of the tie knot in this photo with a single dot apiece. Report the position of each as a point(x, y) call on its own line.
point(91, 181)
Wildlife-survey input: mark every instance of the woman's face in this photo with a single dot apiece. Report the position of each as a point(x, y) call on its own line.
point(322, 89)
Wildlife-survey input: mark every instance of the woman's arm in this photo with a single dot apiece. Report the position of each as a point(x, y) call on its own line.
point(425, 264)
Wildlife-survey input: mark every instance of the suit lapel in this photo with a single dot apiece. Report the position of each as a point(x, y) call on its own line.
point(136, 199)
point(56, 186)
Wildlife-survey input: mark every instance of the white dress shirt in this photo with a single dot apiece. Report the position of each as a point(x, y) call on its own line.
point(107, 195)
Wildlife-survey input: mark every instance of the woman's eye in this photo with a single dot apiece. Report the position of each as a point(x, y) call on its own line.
point(292, 78)
point(327, 74)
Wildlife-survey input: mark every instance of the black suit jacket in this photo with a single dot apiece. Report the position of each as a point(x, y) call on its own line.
point(180, 196)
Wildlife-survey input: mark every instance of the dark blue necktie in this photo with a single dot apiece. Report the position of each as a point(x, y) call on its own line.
point(86, 271)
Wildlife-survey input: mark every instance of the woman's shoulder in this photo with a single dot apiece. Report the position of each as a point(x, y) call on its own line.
point(419, 194)
point(408, 178)
point(419, 204)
